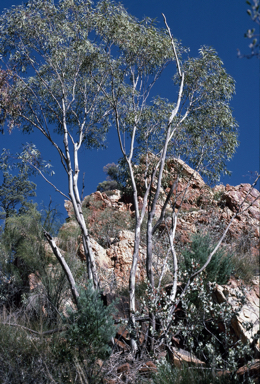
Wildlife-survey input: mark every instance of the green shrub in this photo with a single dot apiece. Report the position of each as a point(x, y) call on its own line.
point(220, 267)
point(107, 185)
point(90, 330)
point(23, 359)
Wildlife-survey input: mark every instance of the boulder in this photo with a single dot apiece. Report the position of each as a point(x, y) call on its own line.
point(203, 209)
point(121, 255)
point(101, 258)
point(234, 196)
point(180, 356)
point(249, 311)
point(186, 171)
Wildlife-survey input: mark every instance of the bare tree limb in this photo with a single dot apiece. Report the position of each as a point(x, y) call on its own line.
point(63, 264)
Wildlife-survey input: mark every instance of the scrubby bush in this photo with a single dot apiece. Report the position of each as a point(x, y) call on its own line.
point(112, 181)
point(107, 185)
point(90, 329)
point(23, 262)
point(91, 326)
point(220, 267)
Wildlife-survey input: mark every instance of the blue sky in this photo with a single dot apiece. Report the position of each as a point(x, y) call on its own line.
point(217, 23)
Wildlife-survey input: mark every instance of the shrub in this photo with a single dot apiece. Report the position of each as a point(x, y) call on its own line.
point(112, 180)
point(90, 330)
point(107, 185)
point(220, 267)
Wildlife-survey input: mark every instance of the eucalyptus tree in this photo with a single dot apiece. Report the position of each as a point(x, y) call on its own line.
point(57, 73)
point(3, 96)
point(77, 68)
point(197, 127)
point(63, 75)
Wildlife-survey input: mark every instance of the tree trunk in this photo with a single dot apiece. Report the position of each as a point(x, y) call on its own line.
point(64, 266)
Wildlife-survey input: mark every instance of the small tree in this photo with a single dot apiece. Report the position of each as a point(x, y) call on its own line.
point(89, 332)
point(14, 190)
point(111, 181)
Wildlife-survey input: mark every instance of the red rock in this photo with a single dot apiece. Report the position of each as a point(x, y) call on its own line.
point(123, 368)
point(149, 366)
point(122, 345)
point(249, 312)
point(180, 356)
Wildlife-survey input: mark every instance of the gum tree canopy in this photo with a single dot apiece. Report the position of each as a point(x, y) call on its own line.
point(76, 68)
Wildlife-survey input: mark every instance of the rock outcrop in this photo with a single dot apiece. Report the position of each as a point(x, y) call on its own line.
point(248, 313)
point(202, 209)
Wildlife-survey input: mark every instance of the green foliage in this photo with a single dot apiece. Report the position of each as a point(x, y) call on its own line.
point(14, 190)
point(95, 79)
point(210, 129)
point(217, 195)
point(254, 13)
point(72, 60)
point(218, 270)
point(90, 327)
point(23, 253)
point(168, 374)
point(107, 185)
point(111, 181)
point(20, 252)
point(20, 361)
point(26, 358)
point(202, 326)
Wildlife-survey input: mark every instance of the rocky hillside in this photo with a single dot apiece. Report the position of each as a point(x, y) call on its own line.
point(110, 218)
point(203, 210)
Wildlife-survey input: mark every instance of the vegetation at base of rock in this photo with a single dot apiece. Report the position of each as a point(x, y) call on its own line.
point(90, 327)
point(191, 321)
point(220, 267)
point(28, 359)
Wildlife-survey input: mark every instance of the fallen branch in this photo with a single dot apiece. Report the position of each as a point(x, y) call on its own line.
point(36, 332)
